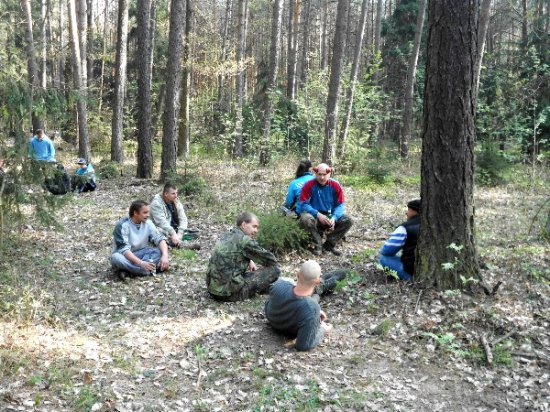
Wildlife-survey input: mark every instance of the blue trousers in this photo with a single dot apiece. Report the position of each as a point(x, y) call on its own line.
point(394, 263)
point(119, 261)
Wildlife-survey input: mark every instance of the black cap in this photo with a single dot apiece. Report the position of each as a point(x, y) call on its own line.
point(414, 205)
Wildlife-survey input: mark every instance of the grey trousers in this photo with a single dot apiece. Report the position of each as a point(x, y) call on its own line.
point(316, 230)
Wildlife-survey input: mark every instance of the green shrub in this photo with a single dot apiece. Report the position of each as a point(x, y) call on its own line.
point(490, 165)
point(188, 184)
point(107, 169)
point(281, 234)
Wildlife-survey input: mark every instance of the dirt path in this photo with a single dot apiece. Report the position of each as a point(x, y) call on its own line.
point(82, 340)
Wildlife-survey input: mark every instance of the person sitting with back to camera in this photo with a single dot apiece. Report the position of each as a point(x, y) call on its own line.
point(321, 209)
point(403, 238)
point(303, 175)
point(293, 309)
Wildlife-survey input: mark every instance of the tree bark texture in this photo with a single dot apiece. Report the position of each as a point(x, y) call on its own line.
point(43, 45)
point(145, 69)
point(239, 92)
point(350, 93)
point(79, 87)
point(184, 136)
point(336, 69)
point(276, 22)
point(411, 78)
point(324, 34)
point(447, 215)
point(173, 85)
point(117, 153)
point(32, 66)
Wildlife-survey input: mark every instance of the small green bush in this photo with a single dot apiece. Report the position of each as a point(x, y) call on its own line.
point(490, 165)
point(188, 184)
point(107, 169)
point(281, 234)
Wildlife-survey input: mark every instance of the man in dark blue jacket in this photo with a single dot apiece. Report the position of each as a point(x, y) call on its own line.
point(321, 209)
point(404, 237)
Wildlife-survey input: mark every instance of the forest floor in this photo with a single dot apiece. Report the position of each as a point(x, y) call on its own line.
point(75, 338)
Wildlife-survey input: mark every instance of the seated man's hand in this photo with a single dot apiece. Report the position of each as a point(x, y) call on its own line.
point(252, 266)
point(323, 316)
point(323, 219)
point(326, 326)
point(164, 263)
point(175, 239)
point(149, 266)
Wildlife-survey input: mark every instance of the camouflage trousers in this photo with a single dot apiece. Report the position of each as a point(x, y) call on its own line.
point(328, 281)
point(257, 282)
point(316, 230)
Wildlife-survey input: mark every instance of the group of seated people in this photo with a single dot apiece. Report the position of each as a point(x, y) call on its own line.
point(240, 268)
point(57, 181)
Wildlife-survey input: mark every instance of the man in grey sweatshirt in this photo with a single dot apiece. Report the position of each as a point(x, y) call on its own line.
point(133, 237)
point(293, 309)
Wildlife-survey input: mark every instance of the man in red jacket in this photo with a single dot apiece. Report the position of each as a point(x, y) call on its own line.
point(321, 209)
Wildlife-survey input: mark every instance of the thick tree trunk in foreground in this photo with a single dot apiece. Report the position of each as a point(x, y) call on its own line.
point(271, 79)
point(411, 78)
point(350, 93)
point(447, 217)
point(173, 84)
point(145, 70)
point(79, 86)
point(117, 154)
point(336, 69)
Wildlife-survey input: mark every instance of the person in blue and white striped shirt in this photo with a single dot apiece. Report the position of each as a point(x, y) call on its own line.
point(403, 238)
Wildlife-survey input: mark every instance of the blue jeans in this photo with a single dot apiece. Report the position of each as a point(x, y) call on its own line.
point(394, 263)
point(119, 261)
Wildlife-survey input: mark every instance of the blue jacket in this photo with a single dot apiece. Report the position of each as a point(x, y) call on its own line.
point(42, 149)
point(315, 198)
point(294, 189)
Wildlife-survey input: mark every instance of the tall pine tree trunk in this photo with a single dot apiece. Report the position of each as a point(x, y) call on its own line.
point(43, 45)
point(482, 30)
point(173, 84)
point(82, 27)
point(79, 86)
point(293, 26)
point(411, 77)
point(276, 21)
point(90, 43)
point(61, 62)
point(350, 93)
point(239, 92)
point(446, 250)
point(184, 136)
point(223, 54)
point(144, 99)
point(303, 62)
point(32, 66)
point(378, 32)
point(336, 70)
point(324, 34)
point(103, 55)
point(117, 153)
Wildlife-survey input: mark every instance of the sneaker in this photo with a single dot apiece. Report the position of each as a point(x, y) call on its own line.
point(317, 251)
point(121, 275)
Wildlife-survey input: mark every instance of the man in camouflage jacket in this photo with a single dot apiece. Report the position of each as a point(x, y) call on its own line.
point(232, 273)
